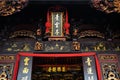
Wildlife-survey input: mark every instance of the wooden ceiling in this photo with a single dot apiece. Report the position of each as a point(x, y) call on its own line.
point(80, 11)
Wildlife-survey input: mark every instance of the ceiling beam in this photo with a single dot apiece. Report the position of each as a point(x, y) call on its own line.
point(59, 1)
point(62, 0)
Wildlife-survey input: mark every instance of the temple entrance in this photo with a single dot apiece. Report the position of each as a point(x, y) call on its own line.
point(57, 68)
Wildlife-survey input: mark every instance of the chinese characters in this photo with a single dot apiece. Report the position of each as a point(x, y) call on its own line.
point(89, 68)
point(57, 24)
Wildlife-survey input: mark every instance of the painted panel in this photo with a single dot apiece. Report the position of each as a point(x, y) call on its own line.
point(89, 68)
point(25, 68)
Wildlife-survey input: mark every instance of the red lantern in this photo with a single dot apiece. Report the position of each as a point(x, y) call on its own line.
point(48, 26)
point(66, 26)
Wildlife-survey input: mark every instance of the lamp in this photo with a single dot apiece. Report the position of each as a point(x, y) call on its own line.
point(107, 6)
point(8, 7)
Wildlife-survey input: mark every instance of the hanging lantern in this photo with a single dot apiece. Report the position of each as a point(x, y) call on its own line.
point(9, 7)
point(108, 6)
point(48, 23)
point(48, 26)
point(67, 25)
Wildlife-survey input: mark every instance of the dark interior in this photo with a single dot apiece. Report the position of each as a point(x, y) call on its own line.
point(54, 68)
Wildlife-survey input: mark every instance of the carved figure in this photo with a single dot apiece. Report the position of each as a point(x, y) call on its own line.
point(76, 45)
point(38, 46)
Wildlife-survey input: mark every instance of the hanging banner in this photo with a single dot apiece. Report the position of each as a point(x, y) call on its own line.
point(25, 68)
point(89, 68)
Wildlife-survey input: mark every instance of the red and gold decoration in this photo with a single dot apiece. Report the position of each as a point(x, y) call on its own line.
point(22, 33)
point(7, 66)
point(57, 25)
point(100, 47)
point(76, 45)
point(110, 66)
point(38, 46)
point(91, 33)
point(107, 6)
point(3, 75)
point(25, 59)
point(9, 7)
point(67, 25)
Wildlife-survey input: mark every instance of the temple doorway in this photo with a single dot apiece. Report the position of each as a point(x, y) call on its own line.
point(57, 68)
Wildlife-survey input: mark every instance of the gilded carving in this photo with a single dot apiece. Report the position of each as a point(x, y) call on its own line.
point(38, 46)
point(22, 33)
point(76, 45)
point(6, 71)
point(3, 75)
point(110, 71)
point(26, 47)
point(111, 76)
point(18, 46)
point(91, 33)
point(100, 47)
point(9, 49)
point(57, 46)
point(5, 58)
point(108, 57)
